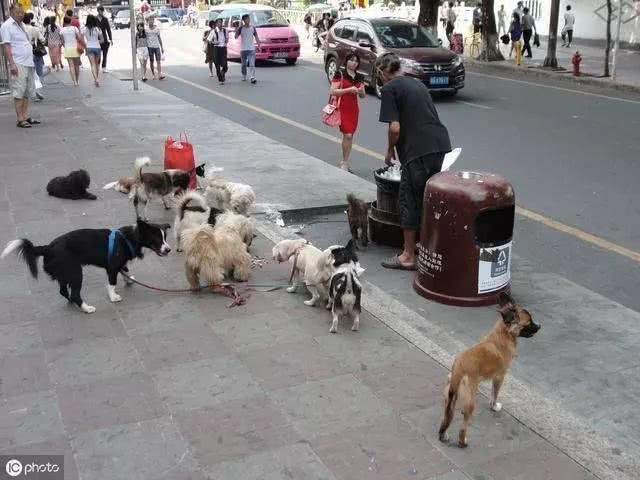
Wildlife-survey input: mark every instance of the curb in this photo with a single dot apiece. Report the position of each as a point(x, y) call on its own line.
point(540, 72)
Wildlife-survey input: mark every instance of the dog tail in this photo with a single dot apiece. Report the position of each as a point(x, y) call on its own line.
point(139, 163)
point(351, 199)
point(451, 396)
point(27, 251)
point(190, 201)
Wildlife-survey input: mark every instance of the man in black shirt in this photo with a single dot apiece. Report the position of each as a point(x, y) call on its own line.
point(107, 39)
point(421, 142)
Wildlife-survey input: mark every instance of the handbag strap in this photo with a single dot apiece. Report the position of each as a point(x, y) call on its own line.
point(338, 97)
point(186, 139)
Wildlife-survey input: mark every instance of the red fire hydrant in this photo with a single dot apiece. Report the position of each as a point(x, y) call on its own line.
point(575, 60)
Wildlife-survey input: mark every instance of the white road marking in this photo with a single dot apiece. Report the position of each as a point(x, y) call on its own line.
point(476, 105)
point(553, 87)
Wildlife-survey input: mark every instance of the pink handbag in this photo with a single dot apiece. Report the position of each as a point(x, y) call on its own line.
point(331, 111)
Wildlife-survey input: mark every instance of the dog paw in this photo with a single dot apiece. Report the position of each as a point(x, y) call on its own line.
point(463, 444)
point(309, 303)
point(87, 308)
point(179, 250)
point(333, 330)
point(354, 328)
point(496, 406)
point(291, 289)
point(443, 437)
point(115, 298)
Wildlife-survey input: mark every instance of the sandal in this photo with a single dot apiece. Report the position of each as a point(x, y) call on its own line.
point(23, 124)
point(162, 77)
point(31, 121)
point(395, 264)
point(144, 79)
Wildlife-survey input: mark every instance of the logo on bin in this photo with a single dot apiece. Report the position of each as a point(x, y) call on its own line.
point(501, 264)
point(494, 268)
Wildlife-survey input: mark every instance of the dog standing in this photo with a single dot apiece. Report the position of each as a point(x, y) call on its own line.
point(316, 267)
point(345, 294)
point(488, 359)
point(285, 249)
point(237, 197)
point(357, 213)
point(65, 256)
point(71, 187)
point(192, 209)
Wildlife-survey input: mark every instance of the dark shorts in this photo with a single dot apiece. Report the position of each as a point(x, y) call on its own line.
point(154, 53)
point(414, 177)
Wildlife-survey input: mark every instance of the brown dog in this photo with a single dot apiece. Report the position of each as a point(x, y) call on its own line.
point(357, 212)
point(488, 359)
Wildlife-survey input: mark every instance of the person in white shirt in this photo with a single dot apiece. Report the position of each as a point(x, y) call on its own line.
point(17, 49)
point(567, 30)
point(70, 39)
point(219, 38)
point(156, 49)
point(93, 38)
point(248, 33)
point(502, 21)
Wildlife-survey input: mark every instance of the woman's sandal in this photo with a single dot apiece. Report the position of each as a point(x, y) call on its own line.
point(23, 124)
point(31, 121)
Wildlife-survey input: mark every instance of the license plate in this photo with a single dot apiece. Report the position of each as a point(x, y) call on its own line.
point(281, 55)
point(440, 80)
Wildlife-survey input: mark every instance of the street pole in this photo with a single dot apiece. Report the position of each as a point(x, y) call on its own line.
point(134, 60)
point(551, 61)
point(617, 44)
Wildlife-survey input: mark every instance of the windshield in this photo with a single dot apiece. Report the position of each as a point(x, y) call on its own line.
point(268, 18)
point(213, 14)
point(404, 35)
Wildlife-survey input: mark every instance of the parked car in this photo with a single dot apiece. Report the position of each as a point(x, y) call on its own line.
point(122, 20)
point(421, 55)
point(277, 39)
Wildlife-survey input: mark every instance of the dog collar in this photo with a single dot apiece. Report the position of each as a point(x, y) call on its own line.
point(112, 243)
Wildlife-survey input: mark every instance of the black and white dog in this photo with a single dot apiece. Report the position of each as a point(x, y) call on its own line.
point(108, 249)
point(72, 187)
point(345, 290)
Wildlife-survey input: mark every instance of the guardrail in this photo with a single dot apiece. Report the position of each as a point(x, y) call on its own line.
point(294, 16)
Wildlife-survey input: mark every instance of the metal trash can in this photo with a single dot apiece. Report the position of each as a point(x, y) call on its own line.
point(464, 257)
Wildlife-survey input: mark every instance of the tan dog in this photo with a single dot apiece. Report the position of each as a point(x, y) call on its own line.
point(488, 359)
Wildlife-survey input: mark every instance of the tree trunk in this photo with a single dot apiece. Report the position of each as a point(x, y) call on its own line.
point(490, 49)
point(428, 16)
point(607, 50)
point(551, 61)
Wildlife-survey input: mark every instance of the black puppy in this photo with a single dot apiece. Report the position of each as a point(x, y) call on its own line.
point(72, 187)
point(346, 254)
point(108, 249)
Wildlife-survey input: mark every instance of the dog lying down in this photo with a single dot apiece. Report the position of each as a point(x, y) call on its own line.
point(71, 187)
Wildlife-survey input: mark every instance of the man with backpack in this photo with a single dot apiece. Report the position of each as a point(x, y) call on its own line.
point(247, 33)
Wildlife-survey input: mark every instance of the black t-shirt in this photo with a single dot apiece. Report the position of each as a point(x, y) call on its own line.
point(408, 101)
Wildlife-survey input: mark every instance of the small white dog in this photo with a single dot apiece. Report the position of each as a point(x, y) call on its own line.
point(191, 210)
point(286, 249)
point(316, 267)
point(242, 226)
point(237, 197)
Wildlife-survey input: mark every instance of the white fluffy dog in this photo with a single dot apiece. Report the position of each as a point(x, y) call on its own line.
point(316, 267)
point(213, 253)
point(286, 249)
point(242, 226)
point(236, 197)
point(191, 210)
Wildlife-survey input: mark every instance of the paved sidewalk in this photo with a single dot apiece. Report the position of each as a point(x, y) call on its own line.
point(177, 386)
point(592, 66)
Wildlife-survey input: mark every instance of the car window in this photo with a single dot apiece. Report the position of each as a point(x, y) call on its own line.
point(347, 32)
point(363, 34)
point(404, 35)
point(268, 18)
point(235, 21)
point(337, 31)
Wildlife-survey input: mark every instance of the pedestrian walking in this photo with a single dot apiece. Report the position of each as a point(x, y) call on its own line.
point(219, 38)
point(451, 21)
point(307, 24)
point(39, 51)
point(16, 46)
point(420, 140)
point(567, 30)
point(93, 38)
point(502, 21)
point(248, 33)
point(107, 38)
point(142, 49)
point(528, 25)
point(515, 30)
point(156, 49)
point(208, 46)
point(73, 44)
point(54, 43)
point(347, 86)
point(477, 19)
point(519, 9)
point(75, 21)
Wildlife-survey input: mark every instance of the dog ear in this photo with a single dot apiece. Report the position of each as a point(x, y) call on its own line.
point(508, 314)
point(504, 299)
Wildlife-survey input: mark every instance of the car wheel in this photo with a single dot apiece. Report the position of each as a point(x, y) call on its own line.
point(291, 61)
point(331, 68)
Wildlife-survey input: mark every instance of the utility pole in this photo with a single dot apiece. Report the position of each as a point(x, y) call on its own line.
point(134, 59)
point(551, 61)
point(617, 44)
